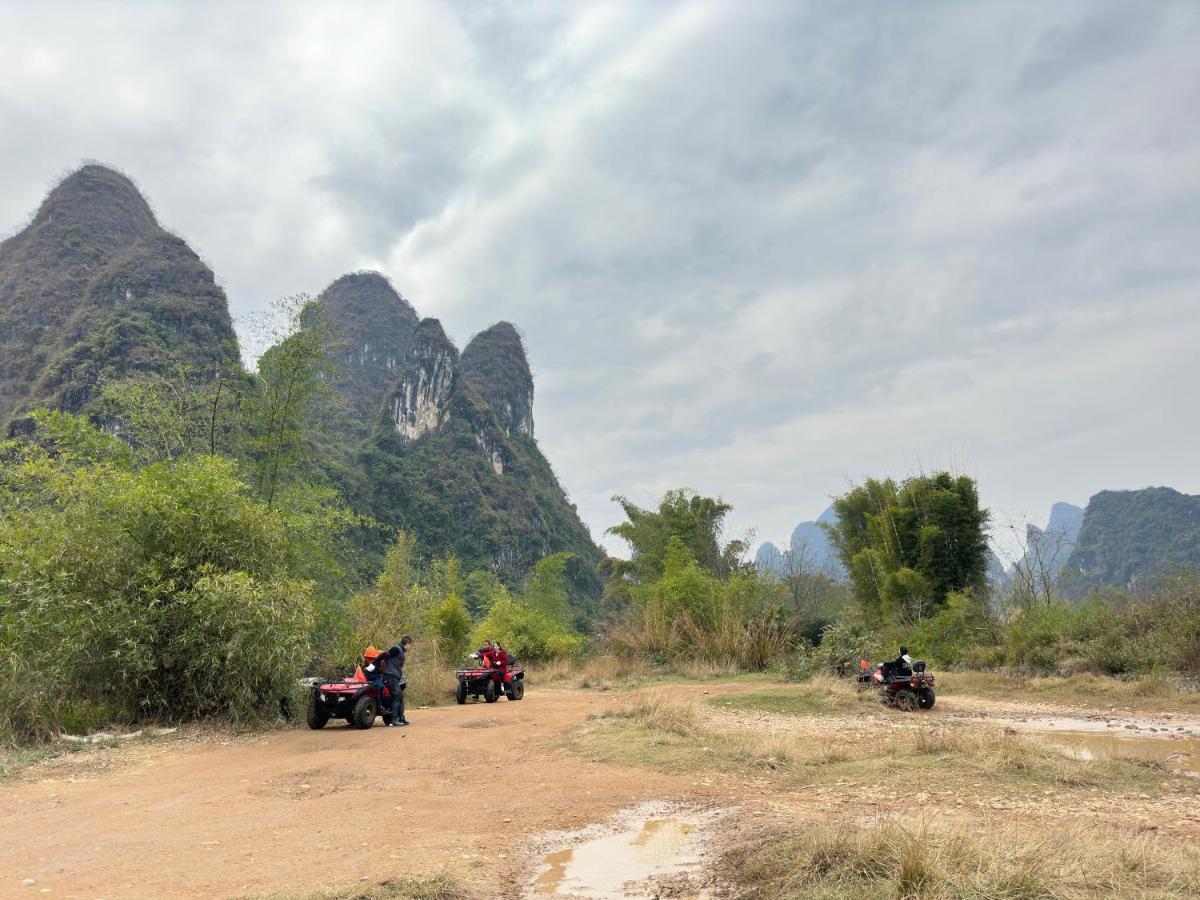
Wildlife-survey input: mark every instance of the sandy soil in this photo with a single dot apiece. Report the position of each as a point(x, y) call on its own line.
point(293, 811)
point(465, 789)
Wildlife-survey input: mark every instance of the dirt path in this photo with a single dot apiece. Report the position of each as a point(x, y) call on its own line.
point(462, 789)
point(286, 811)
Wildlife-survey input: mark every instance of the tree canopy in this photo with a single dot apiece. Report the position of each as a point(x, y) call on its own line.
point(908, 546)
point(695, 522)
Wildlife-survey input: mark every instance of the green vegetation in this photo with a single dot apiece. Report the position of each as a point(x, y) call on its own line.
point(166, 590)
point(1130, 539)
point(909, 546)
point(536, 623)
point(93, 290)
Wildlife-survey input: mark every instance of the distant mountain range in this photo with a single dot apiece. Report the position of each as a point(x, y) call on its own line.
point(1122, 539)
point(809, 550)
point(424, 438)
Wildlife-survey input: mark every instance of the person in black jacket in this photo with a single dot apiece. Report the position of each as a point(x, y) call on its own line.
point(393, 677)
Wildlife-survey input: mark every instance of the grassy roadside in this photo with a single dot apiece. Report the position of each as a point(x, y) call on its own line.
point(897, 859)
point(611, 673)
point(1146, 692)
point(820, 695)
point(656, 729)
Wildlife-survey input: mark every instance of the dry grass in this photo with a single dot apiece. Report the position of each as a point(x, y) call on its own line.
point(821, 694)
point(598, 673)
point(892, 860)
point(656, 728)
point(659, 710)
point(1146, 692)
point(430, 683)
point(443, 886)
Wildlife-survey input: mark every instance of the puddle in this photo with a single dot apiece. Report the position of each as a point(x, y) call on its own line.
point(1182, 753)
point(649, 846)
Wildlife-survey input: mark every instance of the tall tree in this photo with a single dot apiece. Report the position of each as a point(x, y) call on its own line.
point(291, 383)
point(907, 546)
point(697, 522)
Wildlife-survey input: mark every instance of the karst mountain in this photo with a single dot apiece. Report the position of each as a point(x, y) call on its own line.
point(421, 436)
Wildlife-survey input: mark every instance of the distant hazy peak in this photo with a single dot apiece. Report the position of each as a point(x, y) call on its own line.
point(1065, 518)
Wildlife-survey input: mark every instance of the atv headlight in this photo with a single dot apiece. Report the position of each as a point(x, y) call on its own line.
point(324, 697)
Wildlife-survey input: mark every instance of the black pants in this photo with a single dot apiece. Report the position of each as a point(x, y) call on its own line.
point(396, 686)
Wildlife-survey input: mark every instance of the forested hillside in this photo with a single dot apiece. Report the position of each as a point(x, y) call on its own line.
point(94, 290)
point(1130, 538)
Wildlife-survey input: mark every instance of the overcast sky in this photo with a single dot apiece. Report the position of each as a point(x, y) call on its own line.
point(760, 249)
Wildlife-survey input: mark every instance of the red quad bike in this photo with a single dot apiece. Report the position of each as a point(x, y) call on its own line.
point(489, 679)
point(905, 690)
point(353, 699)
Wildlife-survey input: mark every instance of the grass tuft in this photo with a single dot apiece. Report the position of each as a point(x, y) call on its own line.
point(890, 859)
point(442, 886)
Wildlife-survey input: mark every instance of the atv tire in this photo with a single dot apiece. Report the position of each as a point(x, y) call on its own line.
point(516, 690)
point(906, 700)
point(461, 695)
point(364, 712)
point(318, 715)
point(926, 698)
point(489, 691)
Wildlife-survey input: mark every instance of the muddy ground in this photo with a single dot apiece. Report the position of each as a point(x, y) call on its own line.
point(463, 789)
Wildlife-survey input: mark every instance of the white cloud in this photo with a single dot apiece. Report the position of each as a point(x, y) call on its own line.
point(759, 249)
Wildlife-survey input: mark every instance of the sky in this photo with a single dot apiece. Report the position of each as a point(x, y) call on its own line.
point(759, 249)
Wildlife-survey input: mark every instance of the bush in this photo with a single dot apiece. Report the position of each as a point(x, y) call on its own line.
point(238, 646)
point(525, 632)
point(843, 644)
point(167, 590)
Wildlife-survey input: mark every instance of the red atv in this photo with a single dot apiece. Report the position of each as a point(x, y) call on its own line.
point(902, 688)
point(354, 699)
point(489, 679)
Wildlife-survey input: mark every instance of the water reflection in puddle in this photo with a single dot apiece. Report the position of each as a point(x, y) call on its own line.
point(1178, 753)
point(645, 849)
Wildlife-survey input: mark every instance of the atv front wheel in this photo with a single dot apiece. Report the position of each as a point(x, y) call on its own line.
point(489, 691)
point(364, 712)
point(516, 690)
point(318, 715)
point(906, 700)
point(461, 695)
point(926, 698)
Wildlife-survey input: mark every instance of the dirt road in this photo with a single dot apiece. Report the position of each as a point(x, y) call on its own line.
point(293, 811)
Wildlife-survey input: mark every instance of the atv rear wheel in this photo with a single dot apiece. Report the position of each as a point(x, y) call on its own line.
point(364, 712)
point(461, 695)
point(926, 698)
point(318, 715)
point(906, 700)
point(489, 691)
point(516, 690)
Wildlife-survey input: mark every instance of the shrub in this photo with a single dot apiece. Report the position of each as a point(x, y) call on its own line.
point(843, 644)
point(237, 645)
point(166, 590)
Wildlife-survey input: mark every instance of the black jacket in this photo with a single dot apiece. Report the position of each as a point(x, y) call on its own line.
point(393, 666)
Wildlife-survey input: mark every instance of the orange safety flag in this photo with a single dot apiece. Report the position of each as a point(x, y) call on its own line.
point(358, 674)
point(862, 664)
